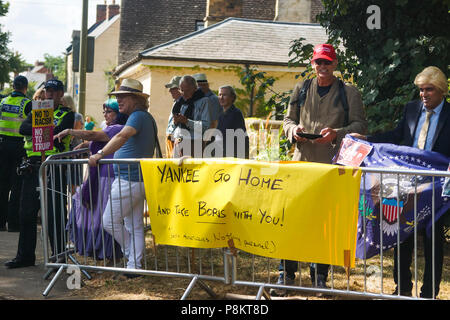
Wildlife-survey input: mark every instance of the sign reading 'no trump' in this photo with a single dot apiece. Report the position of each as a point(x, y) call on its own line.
point(42, 135)
point(297, 210)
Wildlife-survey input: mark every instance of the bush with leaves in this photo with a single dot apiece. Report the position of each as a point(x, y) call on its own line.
point(9, 61)
point(412, 36)
point(252, 101)
point(384, 62)
point(251, 98)
point(56, 65)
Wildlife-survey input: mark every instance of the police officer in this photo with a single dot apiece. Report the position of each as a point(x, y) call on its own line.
point(13, 111)
point(63, 119)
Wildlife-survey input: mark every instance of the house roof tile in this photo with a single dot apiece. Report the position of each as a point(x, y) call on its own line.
point(237, 39)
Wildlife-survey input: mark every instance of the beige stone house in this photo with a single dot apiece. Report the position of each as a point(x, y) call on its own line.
point(144, 24)
point(217, 51)
point(106, 34)
point(39, 74)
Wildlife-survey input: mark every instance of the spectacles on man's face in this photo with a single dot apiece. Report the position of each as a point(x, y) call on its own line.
point(323, 61)
point(107, 111)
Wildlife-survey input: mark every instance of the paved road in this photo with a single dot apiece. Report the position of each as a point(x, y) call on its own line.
point(27, 283)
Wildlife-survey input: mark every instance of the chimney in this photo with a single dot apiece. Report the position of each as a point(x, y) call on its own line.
point(293, 10)
point(113, 10)
point(218, 10)
point(101, 12)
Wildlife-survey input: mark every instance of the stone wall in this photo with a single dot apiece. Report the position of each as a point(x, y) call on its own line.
point(148, 23)
point(218, 10)
point(316, 8)
point(297, 10)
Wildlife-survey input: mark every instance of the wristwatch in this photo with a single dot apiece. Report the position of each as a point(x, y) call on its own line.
point(100, 152)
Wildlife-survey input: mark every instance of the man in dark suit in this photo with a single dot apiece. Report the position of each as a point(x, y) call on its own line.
point(425, 125)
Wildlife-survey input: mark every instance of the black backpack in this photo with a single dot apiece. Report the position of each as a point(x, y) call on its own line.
point(342, 96)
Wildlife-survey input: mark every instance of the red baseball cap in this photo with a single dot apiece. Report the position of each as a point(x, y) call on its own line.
point(324, 51)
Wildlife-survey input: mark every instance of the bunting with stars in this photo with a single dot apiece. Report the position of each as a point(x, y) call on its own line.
point(397, 196)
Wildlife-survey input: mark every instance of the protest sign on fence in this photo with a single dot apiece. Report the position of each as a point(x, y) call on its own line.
point(42, 113)
point(304, 211)
point(387, 204)
point(446, 187)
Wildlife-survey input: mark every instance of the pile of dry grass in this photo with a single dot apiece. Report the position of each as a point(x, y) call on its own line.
point(113, 286)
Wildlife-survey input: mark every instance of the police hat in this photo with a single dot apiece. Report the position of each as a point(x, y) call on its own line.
point(54, 84)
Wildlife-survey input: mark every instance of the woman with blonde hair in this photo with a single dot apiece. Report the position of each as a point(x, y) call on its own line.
point(67, 101)
point(39, 94)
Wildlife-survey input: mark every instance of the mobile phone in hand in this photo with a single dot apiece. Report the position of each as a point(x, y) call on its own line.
point(310, 136)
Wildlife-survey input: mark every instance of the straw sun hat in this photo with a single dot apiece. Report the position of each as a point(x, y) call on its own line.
point(200, 77)
point(130, 86)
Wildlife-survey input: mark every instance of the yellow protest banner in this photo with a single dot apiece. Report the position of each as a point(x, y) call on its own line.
point(296, 210)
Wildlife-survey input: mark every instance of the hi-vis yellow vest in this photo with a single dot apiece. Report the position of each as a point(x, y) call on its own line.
point(58, 116)
point(12, 114)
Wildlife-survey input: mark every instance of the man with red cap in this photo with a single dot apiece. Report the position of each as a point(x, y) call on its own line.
point(322, 110)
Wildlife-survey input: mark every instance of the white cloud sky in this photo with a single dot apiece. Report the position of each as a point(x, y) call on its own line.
point(44, 26)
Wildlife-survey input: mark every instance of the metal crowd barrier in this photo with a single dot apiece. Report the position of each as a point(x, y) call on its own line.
point(76, 236)
point(374, 280)
point(225, 265)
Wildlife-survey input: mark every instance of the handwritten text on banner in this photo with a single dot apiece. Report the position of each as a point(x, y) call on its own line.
point(300, 211)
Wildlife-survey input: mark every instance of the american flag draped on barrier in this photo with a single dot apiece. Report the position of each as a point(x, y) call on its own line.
point(397, 205)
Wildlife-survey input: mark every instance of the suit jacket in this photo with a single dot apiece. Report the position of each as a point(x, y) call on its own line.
point(404, 133)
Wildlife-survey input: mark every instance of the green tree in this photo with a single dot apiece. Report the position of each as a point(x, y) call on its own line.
point(257, 87)
point(384, 62)
point(4, 51)
point(57, 65)
point(9, 61)
point(258, 99)
point(251, 98)
point(17, 64)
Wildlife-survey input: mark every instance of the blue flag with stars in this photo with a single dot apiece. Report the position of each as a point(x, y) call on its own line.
point(387, 204)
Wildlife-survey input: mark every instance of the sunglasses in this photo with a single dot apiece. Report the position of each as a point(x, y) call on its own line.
point(323, 61)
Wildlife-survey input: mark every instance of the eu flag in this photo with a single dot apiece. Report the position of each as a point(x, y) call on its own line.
point(387, 202)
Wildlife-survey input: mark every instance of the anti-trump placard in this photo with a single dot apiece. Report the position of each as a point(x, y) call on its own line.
point(42, 134)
